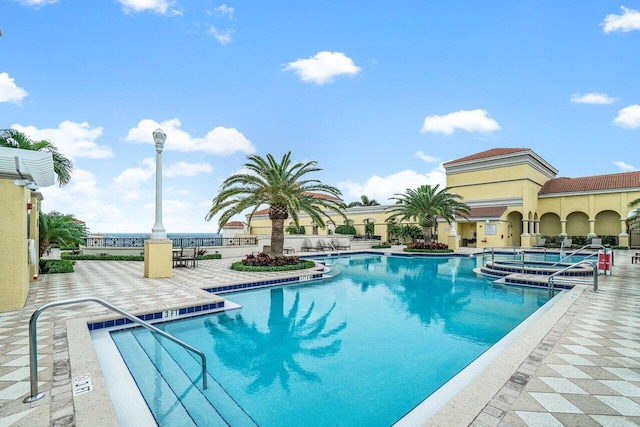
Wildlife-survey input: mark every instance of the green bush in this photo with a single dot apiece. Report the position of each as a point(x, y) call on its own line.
point(429, 251)
point(384, 246)
point(623, 248)
point(53, 266)
point(300, 265)
point(345, 229)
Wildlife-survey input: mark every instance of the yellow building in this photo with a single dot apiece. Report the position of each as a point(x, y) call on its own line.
point(21, 173)
point(515, 197)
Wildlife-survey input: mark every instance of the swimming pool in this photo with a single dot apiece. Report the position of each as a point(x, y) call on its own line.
point(363, 348)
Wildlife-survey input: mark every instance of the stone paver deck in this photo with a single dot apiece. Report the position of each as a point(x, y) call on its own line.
point(585, 372)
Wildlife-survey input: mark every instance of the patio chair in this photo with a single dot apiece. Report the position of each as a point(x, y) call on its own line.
point(566, 244)
point(341, 243)
point(324, 245)
point(596, 242)
point(307, 245)
point(189, 256)
point(176, 254)
point(540, 243)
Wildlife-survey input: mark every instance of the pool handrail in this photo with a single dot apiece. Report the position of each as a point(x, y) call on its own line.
point(593, 265)
point(33, 345)
point(584, 247)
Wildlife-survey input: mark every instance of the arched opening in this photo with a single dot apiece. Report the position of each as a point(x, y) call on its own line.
point(577, 224)
point(607, 223)
point(515, 228)
point(550, 224)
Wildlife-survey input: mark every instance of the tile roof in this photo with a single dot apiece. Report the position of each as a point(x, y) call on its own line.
point(494, 152)
point(234, 224)
point(487, 211)
point(591, 183)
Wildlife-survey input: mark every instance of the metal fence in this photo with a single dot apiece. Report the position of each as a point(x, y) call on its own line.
point(138, 242)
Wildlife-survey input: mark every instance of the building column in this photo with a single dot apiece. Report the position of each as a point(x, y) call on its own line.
point(453, 239)
point(563, 228)
point(592, 228)
point(525, 228)
point(623, 237)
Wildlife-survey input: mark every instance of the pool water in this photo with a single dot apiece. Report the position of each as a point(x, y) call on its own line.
point(362, 348)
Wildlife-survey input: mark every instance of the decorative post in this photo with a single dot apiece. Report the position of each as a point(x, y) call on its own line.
point(158, 249)
point(158, 232)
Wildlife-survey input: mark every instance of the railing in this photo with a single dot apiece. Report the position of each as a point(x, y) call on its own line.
point(581, 249)
point(558, 276)
point(33, 340)
point(492, 251)
point(138, 242)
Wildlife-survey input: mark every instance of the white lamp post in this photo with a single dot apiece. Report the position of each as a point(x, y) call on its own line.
point(158, 232)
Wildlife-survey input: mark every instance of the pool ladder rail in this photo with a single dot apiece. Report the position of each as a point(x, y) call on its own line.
point(33, 347)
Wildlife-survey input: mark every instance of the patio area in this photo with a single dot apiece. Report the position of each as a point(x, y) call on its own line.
point(583, 370)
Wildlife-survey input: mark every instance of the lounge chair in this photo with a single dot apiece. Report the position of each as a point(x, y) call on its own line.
point(566, 244)
point(540, 243)
point(341, 243)
point(596, 242)
point(324, 245)
point(308, 246)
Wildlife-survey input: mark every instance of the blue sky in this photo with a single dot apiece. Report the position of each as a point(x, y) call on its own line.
point(380, 94)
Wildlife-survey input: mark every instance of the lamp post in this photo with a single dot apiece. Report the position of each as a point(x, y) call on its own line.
point(158, 232)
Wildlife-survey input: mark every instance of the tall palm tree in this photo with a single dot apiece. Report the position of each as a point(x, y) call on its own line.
point(364, 201)
point(280, 185)
point(424, 205)
point(62, 166)
point(60, 229)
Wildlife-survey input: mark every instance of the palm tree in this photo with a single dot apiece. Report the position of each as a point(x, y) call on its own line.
point(60, 229)
point(62, 166)
point(280, 185)
point(364, 201)
point(424, 205)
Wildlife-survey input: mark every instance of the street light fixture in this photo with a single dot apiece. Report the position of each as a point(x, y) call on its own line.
point(158, 232)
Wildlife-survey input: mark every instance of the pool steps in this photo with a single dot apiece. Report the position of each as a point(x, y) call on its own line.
point(169, 368)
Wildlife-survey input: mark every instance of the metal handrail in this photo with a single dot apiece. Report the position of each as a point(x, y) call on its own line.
point(33, 341)
point(580, 250)
point(516, 251)
point(593, 265)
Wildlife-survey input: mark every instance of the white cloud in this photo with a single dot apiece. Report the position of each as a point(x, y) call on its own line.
point(592, 98)
point(158, 6)
point(37, 3)
point(625, 167)
point(382, 188)
point(324, 67)
point(127, 184)
point(72, 139)
point(629, 117)
point(223, 36)
point(219, 141)
point(224, 10)
point(425, 157)
point(628, 21)
point(469, 120)
point(187, 169)
point(9, 91)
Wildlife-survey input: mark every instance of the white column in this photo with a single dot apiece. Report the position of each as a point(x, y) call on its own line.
point(158, 232)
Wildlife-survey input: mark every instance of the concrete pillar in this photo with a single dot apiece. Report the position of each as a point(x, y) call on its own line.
point(158, 258)
point(592, 228)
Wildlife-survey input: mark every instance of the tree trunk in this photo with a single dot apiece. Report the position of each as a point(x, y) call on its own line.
point(277, 236)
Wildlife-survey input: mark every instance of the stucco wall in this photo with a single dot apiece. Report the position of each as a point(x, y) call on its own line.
point(14, 264)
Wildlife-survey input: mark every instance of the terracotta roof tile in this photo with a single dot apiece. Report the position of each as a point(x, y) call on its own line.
point(592, 183)
point(234, 224)
point(494, 152)
point(487, 211)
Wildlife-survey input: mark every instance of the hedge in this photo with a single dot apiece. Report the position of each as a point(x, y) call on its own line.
point(239, 266)
point(53, 266)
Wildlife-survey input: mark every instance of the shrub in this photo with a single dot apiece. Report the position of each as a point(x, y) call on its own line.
point(53, 266)
point(430, 247)
point(383, 246)
point(345, 229)
point(100, 257)
point(266, 262)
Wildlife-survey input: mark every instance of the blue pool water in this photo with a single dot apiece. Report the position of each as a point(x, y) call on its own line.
point(363, 348)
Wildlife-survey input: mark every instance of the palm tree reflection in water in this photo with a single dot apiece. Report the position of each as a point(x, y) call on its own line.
point(267, 356)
